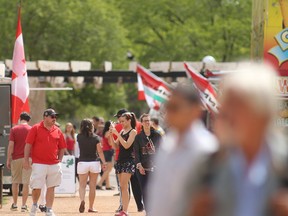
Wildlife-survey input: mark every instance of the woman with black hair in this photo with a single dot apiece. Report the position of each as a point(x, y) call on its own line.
point(89, 164)
point(108, 153)
point(145, 147)
point(125, 166)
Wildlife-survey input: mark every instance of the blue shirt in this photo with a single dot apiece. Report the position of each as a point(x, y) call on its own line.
point(250, 182)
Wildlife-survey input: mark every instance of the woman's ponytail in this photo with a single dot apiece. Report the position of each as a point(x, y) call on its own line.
point(133, 120)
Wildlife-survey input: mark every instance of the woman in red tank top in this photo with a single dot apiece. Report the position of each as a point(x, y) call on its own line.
point(69, 135)
point(108, 154)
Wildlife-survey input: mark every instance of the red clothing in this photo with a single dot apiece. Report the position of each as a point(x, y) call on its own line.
point(118, 127)
point(138, 127)
point(45, 143)
point(105, 144)
point(18, 135)
point(70, 143)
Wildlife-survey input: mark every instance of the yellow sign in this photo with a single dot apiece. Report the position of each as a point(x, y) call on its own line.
point(276, 35)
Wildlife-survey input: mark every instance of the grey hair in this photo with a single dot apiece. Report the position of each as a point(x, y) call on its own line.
point(256, 83)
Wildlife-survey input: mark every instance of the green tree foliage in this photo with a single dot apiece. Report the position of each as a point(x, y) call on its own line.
point(188, 29)
point(65, 30)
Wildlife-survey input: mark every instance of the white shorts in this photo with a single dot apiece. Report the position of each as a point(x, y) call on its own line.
point(86, 167)
point(45, 174)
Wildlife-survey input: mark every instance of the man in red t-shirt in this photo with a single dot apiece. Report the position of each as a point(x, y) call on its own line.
point(15, 157)
point(46, 144)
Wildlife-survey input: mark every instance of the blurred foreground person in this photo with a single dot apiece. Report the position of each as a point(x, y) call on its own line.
point(247, 177)
point(184, 148)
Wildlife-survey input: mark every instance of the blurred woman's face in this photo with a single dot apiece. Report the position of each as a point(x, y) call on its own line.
point(69, 128)
point(124, 122)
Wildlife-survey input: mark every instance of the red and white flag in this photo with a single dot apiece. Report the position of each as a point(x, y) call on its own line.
point(156, 90)
point(207, 93)
point(141, 93)
point(20, 85)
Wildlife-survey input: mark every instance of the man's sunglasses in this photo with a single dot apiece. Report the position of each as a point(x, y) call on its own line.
point(53, 116)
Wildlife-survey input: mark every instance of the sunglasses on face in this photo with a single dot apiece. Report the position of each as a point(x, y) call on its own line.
point(53, 116)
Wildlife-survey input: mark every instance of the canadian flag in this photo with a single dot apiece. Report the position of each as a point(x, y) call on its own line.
point(20, 85)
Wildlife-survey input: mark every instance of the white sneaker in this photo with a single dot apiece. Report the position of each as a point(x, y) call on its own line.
point(24, 208)
point(33, 211)
point(50, 213)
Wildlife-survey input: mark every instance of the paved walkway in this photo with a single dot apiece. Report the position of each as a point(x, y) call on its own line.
point(65, 205)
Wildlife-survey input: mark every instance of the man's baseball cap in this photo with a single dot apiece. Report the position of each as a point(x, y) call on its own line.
point(25, 116)
point(50, 112)
point(120, 113)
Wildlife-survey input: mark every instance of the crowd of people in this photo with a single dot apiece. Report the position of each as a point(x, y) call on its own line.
point(236, 166)
point(35, 153)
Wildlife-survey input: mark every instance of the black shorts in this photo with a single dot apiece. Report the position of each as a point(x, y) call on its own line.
point(108, 155)
point(125, 167)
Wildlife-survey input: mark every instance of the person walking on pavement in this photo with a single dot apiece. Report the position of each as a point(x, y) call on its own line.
point(146, 145)
point(89, 163)
point(135, 185)
point(125, 166)
point(47, 144)
point(15, 157)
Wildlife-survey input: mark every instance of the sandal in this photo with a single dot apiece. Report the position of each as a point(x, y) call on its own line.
point(82, 207)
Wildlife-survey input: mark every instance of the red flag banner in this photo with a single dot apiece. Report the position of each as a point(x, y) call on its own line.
point(20, 85)
point(141, 93)
point(156, 90)
point(207, 93)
